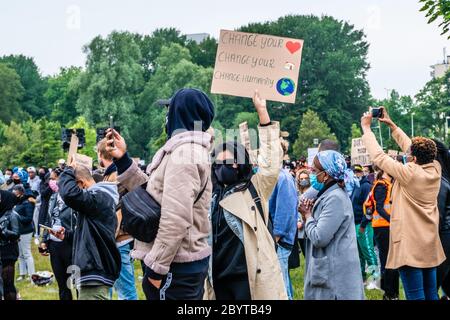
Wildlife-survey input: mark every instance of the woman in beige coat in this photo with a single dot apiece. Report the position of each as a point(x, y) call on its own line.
point(244, 261)
point(414, 247)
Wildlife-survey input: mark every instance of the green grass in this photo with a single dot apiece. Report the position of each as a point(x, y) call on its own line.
point(29, 291)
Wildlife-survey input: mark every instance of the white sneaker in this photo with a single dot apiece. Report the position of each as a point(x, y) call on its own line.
point(372, 285)
point(36, 241)
point(19, 279)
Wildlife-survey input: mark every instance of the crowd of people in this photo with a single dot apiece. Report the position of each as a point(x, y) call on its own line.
point(207, 222)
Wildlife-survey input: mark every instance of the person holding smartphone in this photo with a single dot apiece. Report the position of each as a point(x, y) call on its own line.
point(61, 220)
point(414, 247)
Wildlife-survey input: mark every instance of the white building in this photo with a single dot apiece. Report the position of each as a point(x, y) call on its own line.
point(440, 69)
point(197, 37)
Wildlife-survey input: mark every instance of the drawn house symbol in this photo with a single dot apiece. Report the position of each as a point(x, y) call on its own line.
point(289, 66)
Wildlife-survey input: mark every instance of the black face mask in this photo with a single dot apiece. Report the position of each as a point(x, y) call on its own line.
point(17, 181)
point(226, 174)
point(42, 175)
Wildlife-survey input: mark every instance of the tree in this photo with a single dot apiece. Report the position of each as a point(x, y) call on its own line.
point(204, 53)
point(151, 45)
point(435, 9)
point(311, 128)
point(173, 70)
point(62, 95)
point(112, 81)
point(12, 145)
point(433, 106)
point(11, 92)
point(33, 100)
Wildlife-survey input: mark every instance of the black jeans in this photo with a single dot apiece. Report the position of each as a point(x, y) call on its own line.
point(232, 289)
point(176, 286)
point(443, 271)
point(1, 279)
point(61, 259)
point(8, 275)
point(389, 278)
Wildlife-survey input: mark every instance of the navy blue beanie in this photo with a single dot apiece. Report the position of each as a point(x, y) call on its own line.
point(186, 107)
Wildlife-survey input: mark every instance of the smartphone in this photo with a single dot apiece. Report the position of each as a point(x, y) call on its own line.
point(377, 112)
point(111, 125)
point(45, 227)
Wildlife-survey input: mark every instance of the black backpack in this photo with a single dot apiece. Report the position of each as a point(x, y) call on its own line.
point(141, 213)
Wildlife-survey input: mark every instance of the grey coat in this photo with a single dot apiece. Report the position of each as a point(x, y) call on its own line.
point(332, 263)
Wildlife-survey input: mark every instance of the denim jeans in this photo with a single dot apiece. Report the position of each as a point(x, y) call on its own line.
point(125, 285)
point(26, 261)
point(419, 284)
point(283, 257)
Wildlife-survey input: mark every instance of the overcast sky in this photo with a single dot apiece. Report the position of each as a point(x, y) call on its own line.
point(402, 44)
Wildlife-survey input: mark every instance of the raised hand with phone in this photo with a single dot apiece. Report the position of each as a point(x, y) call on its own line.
point(381, 114)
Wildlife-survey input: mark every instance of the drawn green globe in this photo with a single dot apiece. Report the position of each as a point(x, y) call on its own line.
point(285, 86)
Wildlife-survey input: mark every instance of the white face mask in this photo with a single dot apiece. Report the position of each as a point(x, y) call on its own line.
point(7, 177)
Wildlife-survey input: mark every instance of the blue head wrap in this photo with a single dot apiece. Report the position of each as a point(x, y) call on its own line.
point(333, 163)
point(22, 173)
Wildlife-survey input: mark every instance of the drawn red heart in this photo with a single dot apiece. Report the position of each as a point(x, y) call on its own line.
point(293, 46)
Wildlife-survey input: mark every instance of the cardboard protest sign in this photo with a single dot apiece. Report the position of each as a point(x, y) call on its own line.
point(83, 160)
point(73, 148)
point(249, 61)
point(312, 152)
point(245, 136)
point(245, 140)
point(359, 153)
point(392, 153)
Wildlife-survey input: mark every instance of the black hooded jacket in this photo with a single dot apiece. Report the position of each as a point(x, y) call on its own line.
point(9, 220)
point(187, 107)
point(94, 244)
point(228, 259)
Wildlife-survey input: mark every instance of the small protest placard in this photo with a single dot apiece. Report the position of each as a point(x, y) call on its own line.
point(245, 136)
point(249, 61)
point(83, 160)
point(73, 148)
point(392, 153)
point(359, 153)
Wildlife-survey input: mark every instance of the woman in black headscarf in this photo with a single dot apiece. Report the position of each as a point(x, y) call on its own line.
point(9, 249)
point(244, 261)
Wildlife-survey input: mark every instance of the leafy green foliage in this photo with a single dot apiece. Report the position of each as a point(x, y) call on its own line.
point(312, 127)
point(62, 95)
point(11, 92)
point(33, 100)
point(435, 9)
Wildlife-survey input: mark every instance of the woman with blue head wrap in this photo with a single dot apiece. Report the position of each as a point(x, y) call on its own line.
point(329, 166)
point(332, 260)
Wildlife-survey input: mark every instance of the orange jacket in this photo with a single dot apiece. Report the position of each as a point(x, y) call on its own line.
point(371, 205)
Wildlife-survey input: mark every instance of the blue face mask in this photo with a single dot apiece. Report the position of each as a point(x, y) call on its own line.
point(314, 183)
point(255, 170)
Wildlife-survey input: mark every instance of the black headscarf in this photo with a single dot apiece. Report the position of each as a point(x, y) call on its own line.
point(7, 201)
point(186, 107)
point(241, 157)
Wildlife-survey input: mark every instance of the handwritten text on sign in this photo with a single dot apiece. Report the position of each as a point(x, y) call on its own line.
point(249, 61)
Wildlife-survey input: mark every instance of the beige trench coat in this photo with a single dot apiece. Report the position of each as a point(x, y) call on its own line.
point(264, 272)
point(414, 237)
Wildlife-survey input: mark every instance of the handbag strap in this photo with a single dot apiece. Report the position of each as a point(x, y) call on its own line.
point(144, 186)
point(201, 192)
point(257, 200)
